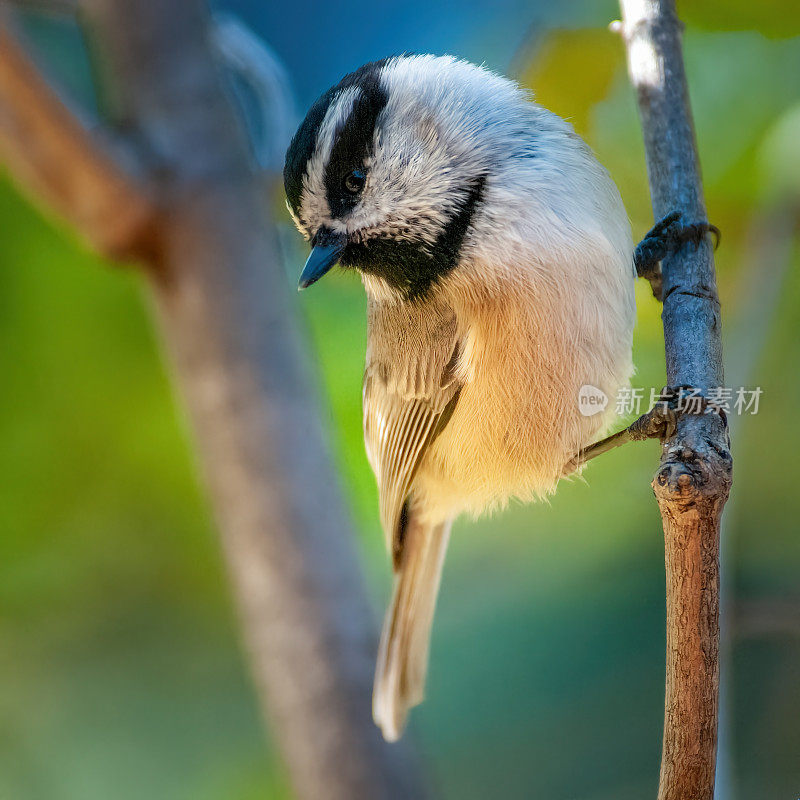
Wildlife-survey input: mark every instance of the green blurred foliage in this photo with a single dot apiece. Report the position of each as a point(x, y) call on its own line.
point(121, 671)
point(773, 18)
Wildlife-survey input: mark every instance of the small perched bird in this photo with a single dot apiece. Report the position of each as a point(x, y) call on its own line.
point(498, 264)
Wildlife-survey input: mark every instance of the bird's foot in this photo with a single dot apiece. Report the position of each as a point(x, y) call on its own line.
point(663, 238)
point(660, 422)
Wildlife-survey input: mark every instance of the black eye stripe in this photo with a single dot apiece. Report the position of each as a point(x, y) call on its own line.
point(355, 142)
point(304, 142)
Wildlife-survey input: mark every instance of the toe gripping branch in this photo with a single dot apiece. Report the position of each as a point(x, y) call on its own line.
point(660, 422)
point(665, 237)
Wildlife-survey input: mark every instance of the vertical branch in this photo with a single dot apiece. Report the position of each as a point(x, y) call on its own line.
point(693, 481)
point(226, 316)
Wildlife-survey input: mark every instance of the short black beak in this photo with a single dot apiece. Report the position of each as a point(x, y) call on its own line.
point(323, 256)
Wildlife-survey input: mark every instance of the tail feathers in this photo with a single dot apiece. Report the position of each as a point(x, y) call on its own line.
point(403, 652)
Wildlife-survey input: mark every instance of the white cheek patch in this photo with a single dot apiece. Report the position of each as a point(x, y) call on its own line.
point(417, 181)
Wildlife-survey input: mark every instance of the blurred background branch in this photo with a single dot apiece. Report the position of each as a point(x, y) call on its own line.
point(62, 163)
point(224, 312)
point(261, 86)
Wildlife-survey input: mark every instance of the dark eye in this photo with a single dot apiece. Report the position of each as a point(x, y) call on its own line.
point(354, 181)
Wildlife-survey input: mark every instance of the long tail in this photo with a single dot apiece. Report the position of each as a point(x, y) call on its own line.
point(403, 652)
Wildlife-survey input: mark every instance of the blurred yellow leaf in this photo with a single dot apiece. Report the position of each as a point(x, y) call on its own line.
point(572, 70)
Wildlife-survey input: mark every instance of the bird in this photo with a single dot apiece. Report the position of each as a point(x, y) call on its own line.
point(498, 264)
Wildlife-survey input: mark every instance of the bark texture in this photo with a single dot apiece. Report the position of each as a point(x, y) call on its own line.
point(225, 312)
point(694, 478)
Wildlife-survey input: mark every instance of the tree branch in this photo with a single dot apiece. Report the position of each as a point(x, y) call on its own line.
point(249, 57)
point(226, 314)
point(693, 481)
point(56, 159)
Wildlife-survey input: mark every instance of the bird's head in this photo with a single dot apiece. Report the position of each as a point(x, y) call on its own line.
point(389, 169)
